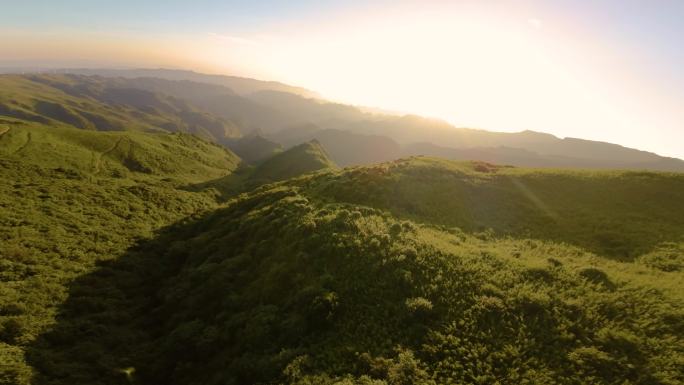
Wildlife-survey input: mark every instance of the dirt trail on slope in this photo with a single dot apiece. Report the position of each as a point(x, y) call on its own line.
point(28, 141)
point(105, 153)
point(4, 129)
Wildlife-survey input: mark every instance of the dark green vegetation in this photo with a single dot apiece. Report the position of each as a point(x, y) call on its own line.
point(146, 254)
point(72, 198)
point(254, 148)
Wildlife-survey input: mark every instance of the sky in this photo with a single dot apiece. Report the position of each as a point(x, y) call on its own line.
point(609, 70)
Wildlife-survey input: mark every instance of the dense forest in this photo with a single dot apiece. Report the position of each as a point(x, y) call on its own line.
point(137, 247)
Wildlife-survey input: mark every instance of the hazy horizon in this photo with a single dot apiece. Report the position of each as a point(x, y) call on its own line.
point(607, 71)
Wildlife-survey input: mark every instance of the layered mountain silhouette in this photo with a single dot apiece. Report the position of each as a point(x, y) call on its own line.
point(240, 85)
point(224, 109)
point(254, 148)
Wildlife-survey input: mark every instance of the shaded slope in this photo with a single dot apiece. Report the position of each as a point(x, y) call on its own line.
point(70, 198)
point(294, 135)
point(240, 85)
point(94, 104)
point(254, 148)
point(569, 152)
point(281, 287)
point(344, 148)
point(220, 101)
point(309, 110)
point(304, 158)
point(55, 225)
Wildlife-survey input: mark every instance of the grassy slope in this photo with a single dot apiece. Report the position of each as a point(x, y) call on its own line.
point(72, 198)
point(285, 285)
point(180, 156)
point(618, 214)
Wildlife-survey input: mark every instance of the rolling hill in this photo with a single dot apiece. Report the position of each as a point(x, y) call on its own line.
point(610, 213)
point(326, 279)
point(119, 154)
point(302, 159)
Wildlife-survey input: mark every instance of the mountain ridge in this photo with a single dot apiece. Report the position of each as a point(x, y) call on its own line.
point(351, 136)
point(242, 85)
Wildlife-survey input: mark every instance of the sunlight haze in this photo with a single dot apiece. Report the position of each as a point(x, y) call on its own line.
point(555, 67)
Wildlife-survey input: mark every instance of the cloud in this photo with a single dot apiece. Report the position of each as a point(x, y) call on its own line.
point(233, 39)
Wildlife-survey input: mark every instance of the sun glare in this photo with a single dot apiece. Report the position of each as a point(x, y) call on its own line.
point(473, 69)
point(488, 65)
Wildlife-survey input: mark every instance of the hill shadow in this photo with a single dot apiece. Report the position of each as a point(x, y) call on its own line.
point(105, 327)
point(227, 186)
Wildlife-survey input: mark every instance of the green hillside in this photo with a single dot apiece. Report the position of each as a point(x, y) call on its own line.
point(72, 198)
point(304, 158)
point(619, 214)
point(289, 284)
point(117, 154)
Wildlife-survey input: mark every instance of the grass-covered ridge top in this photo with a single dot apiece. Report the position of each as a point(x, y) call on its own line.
point(620, 214)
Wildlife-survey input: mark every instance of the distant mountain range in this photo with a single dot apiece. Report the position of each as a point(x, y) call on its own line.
point(239, 85)
point(226, 108)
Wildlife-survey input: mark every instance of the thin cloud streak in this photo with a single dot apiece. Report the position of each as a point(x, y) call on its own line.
point(234, 39)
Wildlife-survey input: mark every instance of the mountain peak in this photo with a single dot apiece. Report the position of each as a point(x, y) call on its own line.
point(298, 160)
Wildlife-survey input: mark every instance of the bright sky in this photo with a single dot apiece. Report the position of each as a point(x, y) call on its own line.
point(610, 70)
